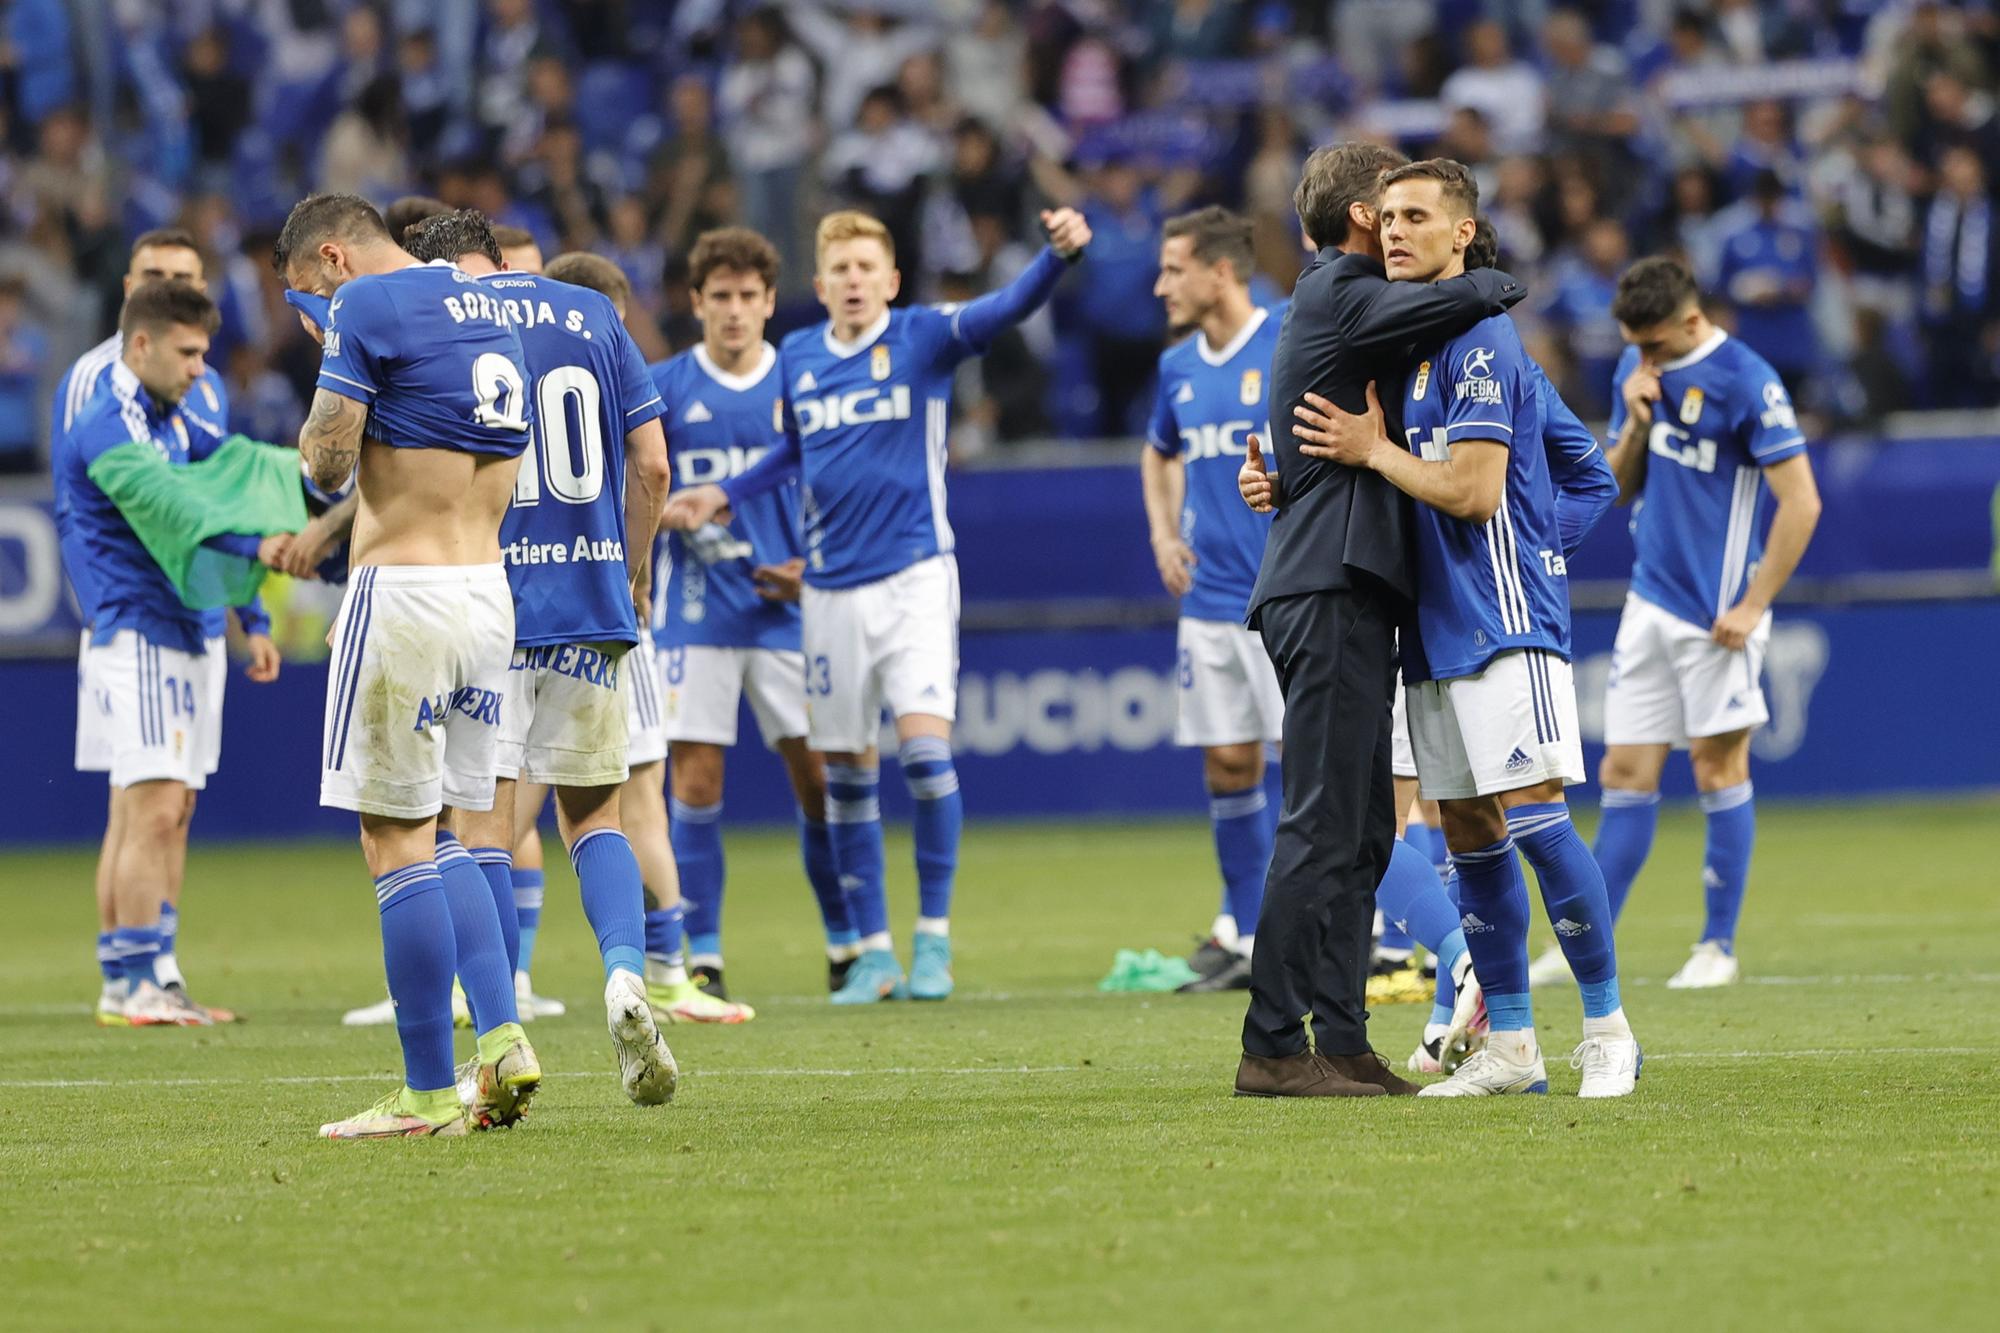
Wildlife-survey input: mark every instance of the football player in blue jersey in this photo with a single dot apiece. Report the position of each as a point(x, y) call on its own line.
point(423, 395)
point(1701, 425)
point(867, 415)
point(1492, 709)
point(164, 254)
point(724, 628)
point(146, 665)
point(1213, 390)
point(577, 541)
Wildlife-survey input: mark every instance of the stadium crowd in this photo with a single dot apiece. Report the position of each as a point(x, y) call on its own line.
point(1824, 165)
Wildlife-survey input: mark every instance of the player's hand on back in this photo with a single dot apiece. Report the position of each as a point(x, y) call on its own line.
point(1067, 231)
point(264, 659)
point(1258, 488)
point(780, 583)
point(1640, 391)
point(1176, 561)
point(1324, 431)
point(688, 509)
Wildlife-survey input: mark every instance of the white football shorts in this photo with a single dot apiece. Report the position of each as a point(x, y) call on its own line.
point(144, 712)
point(1513, 725)
point(565, 716)
point(1402, 758)
point(215, 663)
point(703, 686)
point(645, 723)
point(1229, 691)
point(416, 689)
point(1670, 681)
point(892, 642)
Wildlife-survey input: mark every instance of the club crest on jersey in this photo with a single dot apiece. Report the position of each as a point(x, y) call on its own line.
point(1252, 390)
point(878, 362)
point(1423, 382)
point(1691, 403)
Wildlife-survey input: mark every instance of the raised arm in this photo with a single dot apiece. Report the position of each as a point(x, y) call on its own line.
point(979, 321)
point(331, 437)
point(1399, 314)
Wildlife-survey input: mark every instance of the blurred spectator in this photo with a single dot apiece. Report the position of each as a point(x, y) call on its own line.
point(218, 97)
point(1766, 145)
point(985, 65)
point(880, 165)
point(364, 150)
point(1876, 224)
point(1955, 116)
point(1578, 305)
point(859, 52)
point(1467, 138)
point(1930, 44)
point(1769, 263)
point(1958, 276)
point(766, 105)
point(426, 93)
point(1689, 224)
point(688, 180)
point(1592, 107)
point(24, 359)
point(35, 48)
point(1508, 92)
point(1192, 30)
point(1371, 35)
point(556, 183)
point(513, 36)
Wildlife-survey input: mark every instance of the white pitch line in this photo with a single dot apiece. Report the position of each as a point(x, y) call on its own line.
point(920, 1071)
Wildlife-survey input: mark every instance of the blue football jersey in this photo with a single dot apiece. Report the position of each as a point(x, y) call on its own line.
point(871, 419)
point(1484, 588)
point(563, 537)
point(205, 410)
point(435, 357)
point(1209, 400)
point(718, 425)
point(1723, 417)
point(126, 588)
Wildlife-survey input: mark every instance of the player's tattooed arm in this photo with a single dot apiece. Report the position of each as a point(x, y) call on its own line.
point(331, 437)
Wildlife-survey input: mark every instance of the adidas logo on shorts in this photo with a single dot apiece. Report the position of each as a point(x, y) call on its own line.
point(1518, 761)
point(1569, 929)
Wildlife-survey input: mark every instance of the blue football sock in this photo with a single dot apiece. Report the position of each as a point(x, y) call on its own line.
point(854, 826)
point(481, 949)
point(1494, 900)
point(816, 850)
point(1396, 939)
point(1433, 846)
point(1411, 897)
point(108, 961)
point(497, 864)
point(1573, 893)
point(170, 926)
point(663, 936)
point(1725, 871)
point(138, 949)
point(1450, 950)
point(417, 953)
point(614, 898)
point(1242, 826)
point(936, 822)
point(697, 837)
point(1625, 824)
point(528, 889)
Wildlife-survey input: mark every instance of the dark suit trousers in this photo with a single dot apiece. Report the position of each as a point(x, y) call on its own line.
point(1335, 656)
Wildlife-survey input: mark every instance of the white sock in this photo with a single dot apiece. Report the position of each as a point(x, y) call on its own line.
point(1244, 944)
point(1612, 1025)
point(841, 953)
point(661, 974)
point(879, 940)
point(934, 925)
point(168, 969)
point(1223, 932)
point(1514, 1047)
point(713, 960)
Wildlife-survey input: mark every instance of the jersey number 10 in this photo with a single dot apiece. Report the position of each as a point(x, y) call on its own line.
point(568, 454)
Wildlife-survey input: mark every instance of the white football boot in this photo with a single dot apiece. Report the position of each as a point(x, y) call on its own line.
point(1610, 1066)
point(1709, 965)
point(645, 1066)
point(376, 1015)
point(1487, 1072)
point(1550, 968)
point(532, 1005)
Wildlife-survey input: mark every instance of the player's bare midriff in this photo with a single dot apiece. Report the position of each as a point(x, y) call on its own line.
point(430, 506)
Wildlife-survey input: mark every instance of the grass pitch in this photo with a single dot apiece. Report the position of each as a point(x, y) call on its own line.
point(1816, 1148)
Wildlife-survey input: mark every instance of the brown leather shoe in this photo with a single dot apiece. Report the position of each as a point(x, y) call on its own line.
point(1301, 1075)
point(1371, 1069)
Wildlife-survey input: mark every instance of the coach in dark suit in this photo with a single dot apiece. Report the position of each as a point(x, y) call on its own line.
point(1337, 578)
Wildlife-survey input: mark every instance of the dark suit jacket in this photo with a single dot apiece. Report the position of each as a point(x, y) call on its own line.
point(1348, 324)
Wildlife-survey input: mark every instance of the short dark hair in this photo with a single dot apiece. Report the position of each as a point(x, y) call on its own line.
point(1215, 234)
point(463, 231)
point(408, 211)
point(737, 249)
point(167, 238)
point(1455, 182)
point(1654, 289)
point(1484, 252)
point(318, 217)
point(1334, 179)
point(513, 238)
point(580, 268)
point(162, 302)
